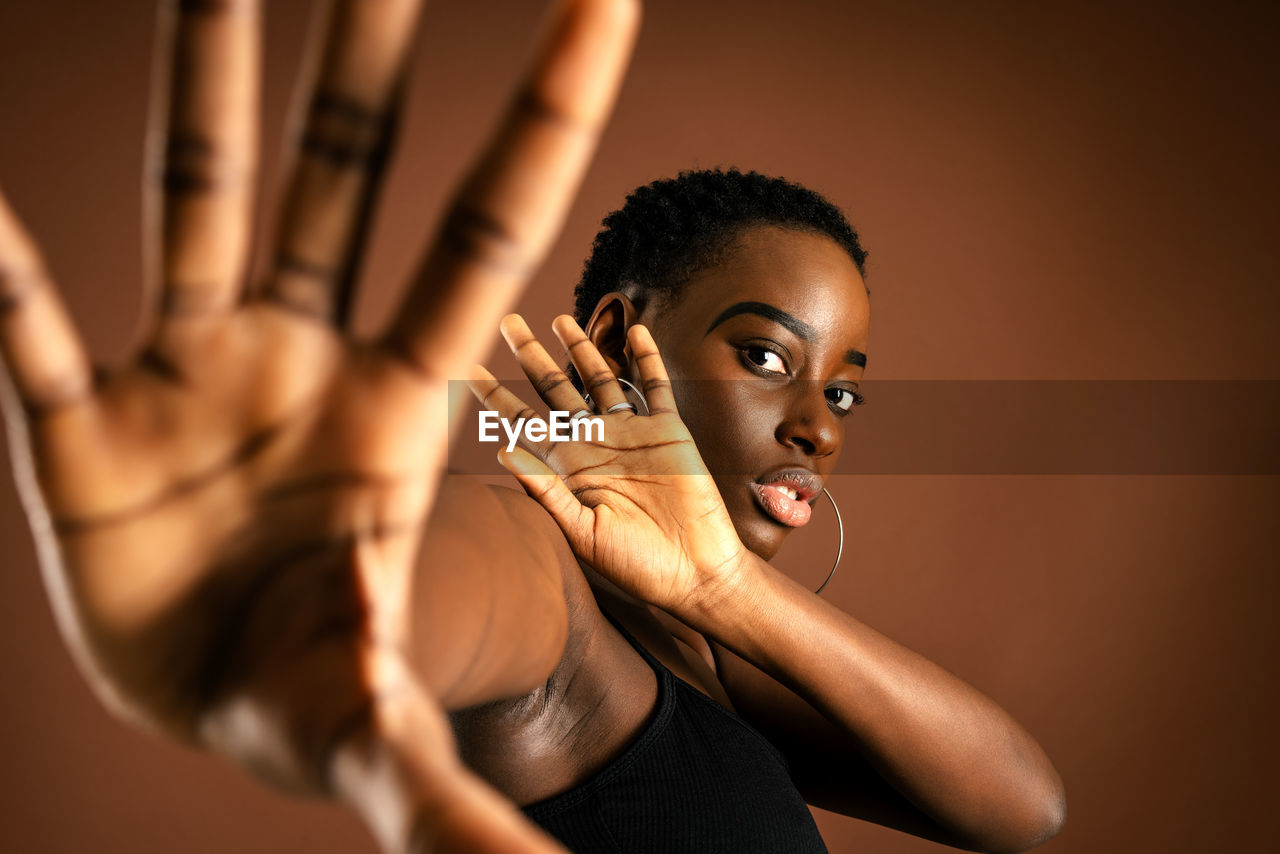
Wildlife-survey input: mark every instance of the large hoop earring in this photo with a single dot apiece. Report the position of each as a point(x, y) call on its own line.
point(591, 404)
point(839, 548)
point(638, 392)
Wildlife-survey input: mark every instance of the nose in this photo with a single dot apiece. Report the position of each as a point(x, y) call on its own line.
point(809, 424)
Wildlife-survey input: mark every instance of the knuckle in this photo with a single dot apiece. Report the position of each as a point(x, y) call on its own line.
point(311, 289)
point(482, 238)
point(17, 287)
point(599, 378)
point(194, 164)
point(549, 382)
point(345, 133)
point(532, 105)
point(525, 341)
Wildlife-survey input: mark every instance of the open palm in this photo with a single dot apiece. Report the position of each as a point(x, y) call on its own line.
point(638, 504)
point(237, 510)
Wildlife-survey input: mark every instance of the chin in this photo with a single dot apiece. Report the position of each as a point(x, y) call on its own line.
point(759, 534)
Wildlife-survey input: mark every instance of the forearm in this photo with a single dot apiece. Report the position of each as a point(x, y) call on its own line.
point(945, 746)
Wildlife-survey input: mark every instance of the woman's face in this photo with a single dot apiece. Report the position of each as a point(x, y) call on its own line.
point(766, 350)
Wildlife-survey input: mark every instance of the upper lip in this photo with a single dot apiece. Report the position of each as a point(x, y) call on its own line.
point(806, 484)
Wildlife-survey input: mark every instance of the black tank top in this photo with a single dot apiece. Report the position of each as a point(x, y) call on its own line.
point(698, 780)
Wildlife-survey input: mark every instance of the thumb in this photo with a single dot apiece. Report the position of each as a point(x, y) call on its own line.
point(546, 487)
point(406, 780)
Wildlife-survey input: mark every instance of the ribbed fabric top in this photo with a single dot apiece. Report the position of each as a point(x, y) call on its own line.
point(698, 779)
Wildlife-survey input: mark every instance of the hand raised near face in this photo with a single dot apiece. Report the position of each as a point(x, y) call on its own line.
point(227, 522)
point(638, 505)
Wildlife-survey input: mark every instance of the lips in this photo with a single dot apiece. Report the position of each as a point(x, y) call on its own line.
point(785, 495)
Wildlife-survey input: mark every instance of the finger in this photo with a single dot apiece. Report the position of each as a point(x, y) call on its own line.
point(341, 155)
point(551, 383)
point(546, 487)
point(597, 377)
point(496, 397)
point(653, 373)
point(410, 785)
point(206, 135)
point(514, 201)
point(39, 345)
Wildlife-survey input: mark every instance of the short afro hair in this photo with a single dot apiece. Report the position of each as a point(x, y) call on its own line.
point(671, 229)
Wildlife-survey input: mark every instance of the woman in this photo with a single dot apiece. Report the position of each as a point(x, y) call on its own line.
point(238, 533)
point(756, 288)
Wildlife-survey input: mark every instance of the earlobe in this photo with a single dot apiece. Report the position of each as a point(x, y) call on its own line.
point(615, 313)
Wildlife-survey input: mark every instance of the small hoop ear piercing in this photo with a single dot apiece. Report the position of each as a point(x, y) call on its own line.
point(839, 548)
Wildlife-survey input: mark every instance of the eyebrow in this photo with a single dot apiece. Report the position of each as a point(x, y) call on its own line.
point(797, 326)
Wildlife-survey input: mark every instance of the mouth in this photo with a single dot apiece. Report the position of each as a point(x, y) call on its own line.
point(785, 495)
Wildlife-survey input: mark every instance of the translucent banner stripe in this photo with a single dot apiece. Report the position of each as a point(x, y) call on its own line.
point(1016, 427)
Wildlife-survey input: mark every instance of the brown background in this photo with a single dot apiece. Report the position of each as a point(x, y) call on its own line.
point(1049, 191)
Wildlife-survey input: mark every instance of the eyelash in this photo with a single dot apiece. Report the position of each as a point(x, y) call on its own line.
point(747, 349)
point(856, 397)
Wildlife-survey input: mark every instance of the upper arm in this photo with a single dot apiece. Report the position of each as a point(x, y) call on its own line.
point(489, 615)
point(826, 763)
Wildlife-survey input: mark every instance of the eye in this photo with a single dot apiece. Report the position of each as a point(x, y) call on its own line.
point(843, 399)
point(763, 359)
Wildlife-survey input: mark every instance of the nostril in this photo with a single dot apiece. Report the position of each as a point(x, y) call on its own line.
point(803, 444)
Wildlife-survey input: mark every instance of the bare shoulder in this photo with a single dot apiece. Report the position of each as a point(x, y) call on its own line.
point(494, 580)
point(580, 713)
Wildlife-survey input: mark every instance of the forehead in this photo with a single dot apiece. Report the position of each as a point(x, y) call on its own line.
point(806, 274)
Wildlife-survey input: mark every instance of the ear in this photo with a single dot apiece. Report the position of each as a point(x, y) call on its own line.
point(607, 329)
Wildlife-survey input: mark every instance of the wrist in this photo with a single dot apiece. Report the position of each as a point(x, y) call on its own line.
point(724, 590)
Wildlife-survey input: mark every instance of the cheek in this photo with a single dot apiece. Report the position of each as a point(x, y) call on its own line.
point(732, 419)
point(733, 430)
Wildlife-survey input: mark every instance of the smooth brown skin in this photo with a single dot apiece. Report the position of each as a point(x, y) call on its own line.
point(871, 729)
point(231, 525)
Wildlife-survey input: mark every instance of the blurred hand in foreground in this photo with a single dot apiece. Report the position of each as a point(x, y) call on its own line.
point(228, 523)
